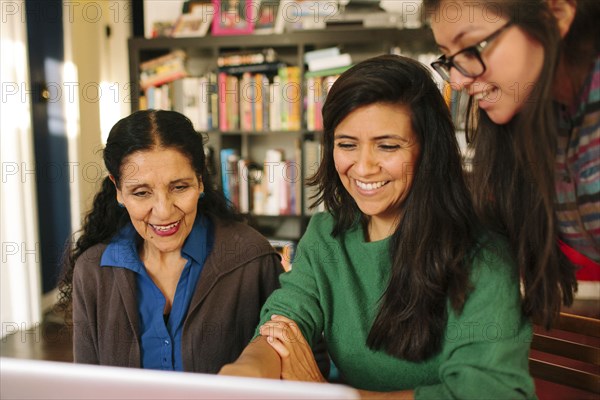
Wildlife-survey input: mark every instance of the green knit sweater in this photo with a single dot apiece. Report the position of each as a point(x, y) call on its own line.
point(334, 289)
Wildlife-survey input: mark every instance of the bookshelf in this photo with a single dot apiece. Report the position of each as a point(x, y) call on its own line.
point(201, 58)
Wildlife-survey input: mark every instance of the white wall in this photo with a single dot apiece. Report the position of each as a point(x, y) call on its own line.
point(95, 75)
point(20, 288)
point(102, 65)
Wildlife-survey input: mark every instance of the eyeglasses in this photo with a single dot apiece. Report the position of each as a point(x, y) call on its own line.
point(467, 61)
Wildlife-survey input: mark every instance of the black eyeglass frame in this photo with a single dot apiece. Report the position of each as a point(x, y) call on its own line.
point(443, 64)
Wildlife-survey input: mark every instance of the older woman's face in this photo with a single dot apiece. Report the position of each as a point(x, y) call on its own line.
point(375, 154)
point(160, 190)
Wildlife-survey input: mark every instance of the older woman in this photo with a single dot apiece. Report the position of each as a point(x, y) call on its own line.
point(163, 276)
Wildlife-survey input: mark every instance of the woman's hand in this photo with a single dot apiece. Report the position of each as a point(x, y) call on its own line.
point(258, 360)
point(297, 359)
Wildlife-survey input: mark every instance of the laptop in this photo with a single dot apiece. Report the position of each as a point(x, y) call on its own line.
point(35, 379)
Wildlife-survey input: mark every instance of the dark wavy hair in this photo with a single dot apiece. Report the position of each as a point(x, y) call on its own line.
point(431, 248)
point(513, 165)
point(141, 131)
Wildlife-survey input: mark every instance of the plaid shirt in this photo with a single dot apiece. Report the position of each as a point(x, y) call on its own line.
point(578, 169)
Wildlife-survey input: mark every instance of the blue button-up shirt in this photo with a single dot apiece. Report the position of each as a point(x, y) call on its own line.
point(160, 337)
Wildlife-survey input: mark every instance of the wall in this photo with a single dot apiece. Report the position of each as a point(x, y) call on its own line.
point(20, 287)
point(98, 36)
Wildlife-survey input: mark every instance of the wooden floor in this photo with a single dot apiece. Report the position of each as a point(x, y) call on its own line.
point(50, 340)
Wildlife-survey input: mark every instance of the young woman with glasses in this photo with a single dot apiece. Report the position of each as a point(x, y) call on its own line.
point(532, 71)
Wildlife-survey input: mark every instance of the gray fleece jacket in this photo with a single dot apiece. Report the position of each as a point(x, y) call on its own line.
point(240, 273)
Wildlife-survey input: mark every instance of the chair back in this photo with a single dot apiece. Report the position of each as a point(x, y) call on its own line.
point(569, 354)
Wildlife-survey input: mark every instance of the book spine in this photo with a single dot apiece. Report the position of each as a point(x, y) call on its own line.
point(222, 106)
point(294, 99)
point(283, 104)
point(246, 101)
point(244, 186)
point(226, 174)
point(257, 105)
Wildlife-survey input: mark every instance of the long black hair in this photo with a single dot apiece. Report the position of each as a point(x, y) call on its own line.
point(430, 249)
point(140, 131)
point(513, 165)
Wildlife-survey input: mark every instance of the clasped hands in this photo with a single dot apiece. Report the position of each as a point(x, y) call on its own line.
point(297, 360)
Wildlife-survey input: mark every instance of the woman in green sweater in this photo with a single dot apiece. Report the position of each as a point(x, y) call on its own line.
point(413, 298)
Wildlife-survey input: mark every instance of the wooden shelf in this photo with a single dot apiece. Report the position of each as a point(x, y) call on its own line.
point(203, 52)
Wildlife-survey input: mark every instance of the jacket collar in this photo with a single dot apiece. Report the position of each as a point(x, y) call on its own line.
point(125, 280)
point(226, 256)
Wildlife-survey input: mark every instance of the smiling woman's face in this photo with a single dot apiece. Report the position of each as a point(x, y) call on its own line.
point(375, 154)
point(160, 191)
point(513, 60)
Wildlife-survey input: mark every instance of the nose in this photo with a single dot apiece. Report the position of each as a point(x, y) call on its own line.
point(458, 81)
point(163, 207)
point(366, 162)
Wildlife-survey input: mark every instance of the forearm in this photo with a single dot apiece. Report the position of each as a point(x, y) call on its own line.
point(257, 360)
point(404, 395)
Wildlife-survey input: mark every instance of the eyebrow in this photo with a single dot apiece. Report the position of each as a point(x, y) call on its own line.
point(382, 137)
point(459, 36)
point(174, 182)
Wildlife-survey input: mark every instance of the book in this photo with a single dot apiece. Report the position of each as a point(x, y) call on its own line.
point(293, 97)
point(282, 108)
point(164, 69)
point(321, 53)
point(265, 68)
point(247, 99)
point(232, 102)
point(186, 95)
point(267, 55)
point(244, 186)
point(275, 118)
point(312, 159)
point(258, 121)
point(272, 177)
point(229, 174)
point(341, 60)
point(328, 72)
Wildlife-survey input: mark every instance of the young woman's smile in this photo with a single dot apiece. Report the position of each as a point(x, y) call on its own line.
point(511, 60)
point(375, 153)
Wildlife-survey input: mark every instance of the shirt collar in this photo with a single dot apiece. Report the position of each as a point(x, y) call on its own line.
point(122, 249)
point(199, 241)
point(585, 95)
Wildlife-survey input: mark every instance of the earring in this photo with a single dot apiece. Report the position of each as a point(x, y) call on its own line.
point(121, 205)
point(202, 195)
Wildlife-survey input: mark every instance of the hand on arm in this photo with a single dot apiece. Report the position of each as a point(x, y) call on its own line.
point(297, 360)
point(258, 360)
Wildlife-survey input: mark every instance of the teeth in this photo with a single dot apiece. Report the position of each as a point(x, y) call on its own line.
point(481, 95)
point(370, 186)
point(165, 228)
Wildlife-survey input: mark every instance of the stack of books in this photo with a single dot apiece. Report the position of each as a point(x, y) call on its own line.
point(324, 67)
point(271, 188)
point(158, 71)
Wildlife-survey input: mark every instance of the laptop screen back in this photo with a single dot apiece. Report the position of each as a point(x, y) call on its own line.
point(34, 379)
